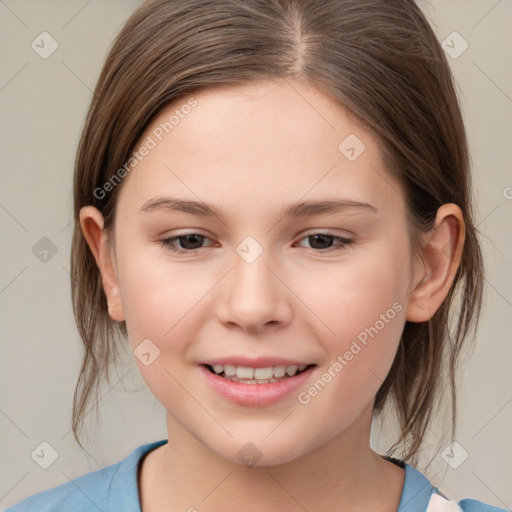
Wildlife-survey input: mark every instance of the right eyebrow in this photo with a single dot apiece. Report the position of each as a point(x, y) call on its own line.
point(181, 205)
point(300, 209)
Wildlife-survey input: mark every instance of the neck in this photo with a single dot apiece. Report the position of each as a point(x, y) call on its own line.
point(343, 473)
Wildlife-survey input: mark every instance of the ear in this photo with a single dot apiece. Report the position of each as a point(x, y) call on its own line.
point(441, 255)
point(91, 222)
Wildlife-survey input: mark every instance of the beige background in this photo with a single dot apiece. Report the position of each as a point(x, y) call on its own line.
point(43, 105)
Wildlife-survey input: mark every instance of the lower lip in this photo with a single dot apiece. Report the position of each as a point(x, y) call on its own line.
point(255, 395)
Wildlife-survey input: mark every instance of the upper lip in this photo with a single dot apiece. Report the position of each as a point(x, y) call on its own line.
point(259, 362)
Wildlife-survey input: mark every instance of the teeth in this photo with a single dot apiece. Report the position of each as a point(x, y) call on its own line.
point(291, 370)
point(218, 368)
point(243, 372)
point(279, 371)
point(263, 373)
point(229, 370)
point(266, 374)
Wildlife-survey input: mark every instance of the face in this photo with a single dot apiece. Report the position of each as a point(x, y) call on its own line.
point(254, 285)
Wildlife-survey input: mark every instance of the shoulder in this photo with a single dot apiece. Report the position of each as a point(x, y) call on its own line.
point(111, 488)
point(81, 494)
point(419, 495)
point(471, 505)
point(440, 503)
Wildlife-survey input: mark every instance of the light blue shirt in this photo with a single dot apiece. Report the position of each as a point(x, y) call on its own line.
point(114, 489)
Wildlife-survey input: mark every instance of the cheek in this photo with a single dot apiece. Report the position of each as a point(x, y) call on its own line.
point(162, 304)
point(363, 309)
point(161, 301)
point(360, 313)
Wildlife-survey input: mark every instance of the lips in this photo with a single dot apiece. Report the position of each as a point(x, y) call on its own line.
point(255, 392)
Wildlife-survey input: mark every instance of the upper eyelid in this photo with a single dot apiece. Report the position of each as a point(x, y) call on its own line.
point(173, 238)
point(345, 234)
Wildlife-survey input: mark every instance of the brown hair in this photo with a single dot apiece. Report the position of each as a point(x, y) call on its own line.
point(378, 58)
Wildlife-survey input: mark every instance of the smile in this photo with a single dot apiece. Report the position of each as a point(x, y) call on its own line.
point(249, 375)
point(256, 387)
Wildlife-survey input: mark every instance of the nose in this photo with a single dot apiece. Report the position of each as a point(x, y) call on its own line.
point(253, 296)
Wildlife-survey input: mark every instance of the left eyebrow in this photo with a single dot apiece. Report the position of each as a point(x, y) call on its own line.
point(306, 208)
point(300, 209)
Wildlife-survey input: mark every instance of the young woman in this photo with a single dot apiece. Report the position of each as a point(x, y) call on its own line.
point(273, 211)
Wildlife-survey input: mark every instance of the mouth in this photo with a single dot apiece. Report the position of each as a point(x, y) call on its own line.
point(249, 375)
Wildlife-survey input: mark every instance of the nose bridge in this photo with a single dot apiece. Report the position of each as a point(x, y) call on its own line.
point(252, 295)
point(252, 279)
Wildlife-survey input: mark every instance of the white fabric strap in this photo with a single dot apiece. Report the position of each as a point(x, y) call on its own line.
point(439, 504)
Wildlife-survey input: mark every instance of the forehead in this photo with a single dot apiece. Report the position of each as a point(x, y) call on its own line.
point(276, 141)
point(270, 117)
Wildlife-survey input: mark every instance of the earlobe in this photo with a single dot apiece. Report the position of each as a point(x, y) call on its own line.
point(441, 255)
point(91, 223)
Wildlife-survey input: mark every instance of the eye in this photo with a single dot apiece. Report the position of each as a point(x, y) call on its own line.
point(190, 241)
point(321, 240)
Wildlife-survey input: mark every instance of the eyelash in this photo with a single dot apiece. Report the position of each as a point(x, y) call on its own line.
point(344, 242)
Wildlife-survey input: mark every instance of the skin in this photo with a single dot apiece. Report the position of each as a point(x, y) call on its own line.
point(251, 150)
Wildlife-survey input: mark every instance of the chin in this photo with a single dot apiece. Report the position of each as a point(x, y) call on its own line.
point(259, 452)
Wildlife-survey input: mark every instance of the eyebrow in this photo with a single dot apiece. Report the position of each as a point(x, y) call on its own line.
point(300, 209)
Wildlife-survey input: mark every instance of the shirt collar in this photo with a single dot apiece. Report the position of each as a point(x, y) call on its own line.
point(417, 490)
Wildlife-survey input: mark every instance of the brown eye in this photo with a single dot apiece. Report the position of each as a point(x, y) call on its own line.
point(321, 242)
point(188, 243)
